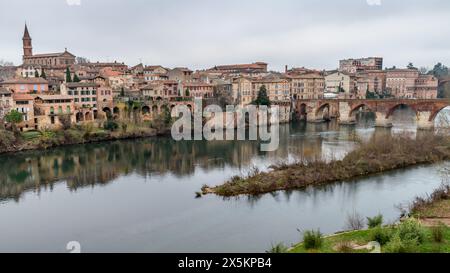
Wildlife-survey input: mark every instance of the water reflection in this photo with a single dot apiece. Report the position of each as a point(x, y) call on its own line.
point(138, 195)
point(98, 164)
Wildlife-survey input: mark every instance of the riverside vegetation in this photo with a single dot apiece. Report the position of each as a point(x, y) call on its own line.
point(378, 155)
point(414, 234)
point(13, 140)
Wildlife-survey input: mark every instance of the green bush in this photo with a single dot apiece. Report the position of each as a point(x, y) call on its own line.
point(437, 233)
point(410, 230)
point(111, 125)
point(312, 239)
point(279, 248)
point(380, 235)
point(399, 245)
point(375, 221)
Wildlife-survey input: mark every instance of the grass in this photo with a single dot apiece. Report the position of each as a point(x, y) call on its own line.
point(334, 244)
point(376, 156)
point(30, 135)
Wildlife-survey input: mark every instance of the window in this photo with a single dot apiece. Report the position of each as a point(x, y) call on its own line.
point(68, 109)
point(52, 110)
point(22, 87)
point(60, 110)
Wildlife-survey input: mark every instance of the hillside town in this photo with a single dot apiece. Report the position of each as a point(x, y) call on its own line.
point(50, 86)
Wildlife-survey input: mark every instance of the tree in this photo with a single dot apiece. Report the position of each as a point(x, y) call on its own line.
point(262, 98)
point(68, 75)
point(75, 78)
point(14, 117)
point(411, 66)
point(65, 121)
point(439, 71)
point(43, 75)
point(82, 60)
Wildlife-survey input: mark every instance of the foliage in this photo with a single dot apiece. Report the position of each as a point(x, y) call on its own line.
point(411, 230)
point(262, 98)
point(111, 125)
point(437, 233)
point(375, 221)
point(399, 245)
point(439, 71)
point(344, 247)
point(14, 117)
point(68, 75)
point(312, 239)
point(7, 139)
point(380, 235)
point(279, 248)
point(66, 121)
point(75, 78)
point(355, 221)
point(43, 75)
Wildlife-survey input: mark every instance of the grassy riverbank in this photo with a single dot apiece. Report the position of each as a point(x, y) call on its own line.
point(376, 156)
point(427, 231)
point(79, 134)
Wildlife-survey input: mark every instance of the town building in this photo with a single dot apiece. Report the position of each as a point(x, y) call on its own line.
point(52, 111)
point(159, 90)
point(62, 59)
point(308, 85)
point(6, 102)
point(241, 69)
point(84, 95)
point(24, 104)
point(353, 66)
point(410, 84)
point(198, 89)
point(26, 85)
point(180, 74)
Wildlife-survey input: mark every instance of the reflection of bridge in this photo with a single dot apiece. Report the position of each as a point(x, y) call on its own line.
point(345, 110)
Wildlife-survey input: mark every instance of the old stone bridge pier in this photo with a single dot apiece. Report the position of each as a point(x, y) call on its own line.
point(345, 110)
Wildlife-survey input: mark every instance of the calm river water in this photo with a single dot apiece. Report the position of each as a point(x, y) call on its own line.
point(139, 195)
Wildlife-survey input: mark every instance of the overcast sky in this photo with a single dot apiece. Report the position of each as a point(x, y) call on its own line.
point(204, 33)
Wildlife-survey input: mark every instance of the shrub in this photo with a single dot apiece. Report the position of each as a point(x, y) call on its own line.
point(279, 248)
point(375, 221)
point(398, 245)
point(312, 239)
point(111, 125)
point(7, 139)
point(344, 247)
point(355, 221)
point(380, 235)
point(410, 230)
point(437, 233)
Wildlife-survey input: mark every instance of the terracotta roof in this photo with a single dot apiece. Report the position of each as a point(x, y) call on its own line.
point(81, 84)
point(19, 96)
point(4, 91)
point(25, 81)
point(54, 97)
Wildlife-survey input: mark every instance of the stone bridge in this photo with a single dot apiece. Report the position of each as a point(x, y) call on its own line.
point(345, 110)
point(147, 110)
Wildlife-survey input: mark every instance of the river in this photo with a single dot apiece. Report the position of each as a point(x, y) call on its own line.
point(139, 195)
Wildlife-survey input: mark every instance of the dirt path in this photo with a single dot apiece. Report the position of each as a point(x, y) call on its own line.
point(431, 222)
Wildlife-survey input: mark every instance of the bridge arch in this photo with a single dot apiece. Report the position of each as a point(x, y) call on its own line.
point(398, 106)
point(145, 110)
point(436, 113)
point(320, 111)
point(358, 107)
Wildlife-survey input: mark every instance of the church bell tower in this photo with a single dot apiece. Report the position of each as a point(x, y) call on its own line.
point(27, 46)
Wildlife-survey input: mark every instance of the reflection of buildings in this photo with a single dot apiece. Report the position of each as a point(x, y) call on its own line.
point(101, 163)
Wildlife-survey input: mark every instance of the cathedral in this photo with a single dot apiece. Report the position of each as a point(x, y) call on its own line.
point(50, 60)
